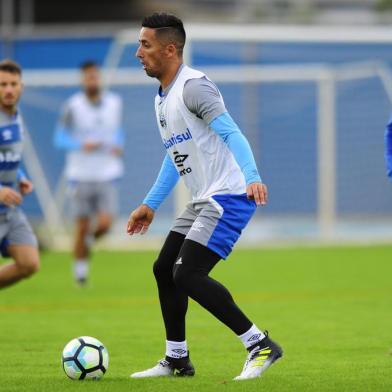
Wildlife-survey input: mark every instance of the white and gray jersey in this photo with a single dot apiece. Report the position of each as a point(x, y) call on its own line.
point(207, 104)
point(200, 155)
point(93, 123)
point(11, 146)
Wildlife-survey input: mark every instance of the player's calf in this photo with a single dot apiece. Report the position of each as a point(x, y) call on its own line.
point(28, 267)
point(26, 259)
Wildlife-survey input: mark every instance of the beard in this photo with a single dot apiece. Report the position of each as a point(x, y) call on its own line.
point(93, 91)
point(150, 73)
point(9, 103)
point(155, 69)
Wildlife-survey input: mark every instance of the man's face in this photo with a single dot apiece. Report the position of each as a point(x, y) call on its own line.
point(10, 89)
point(91, 80)
point(151, 53)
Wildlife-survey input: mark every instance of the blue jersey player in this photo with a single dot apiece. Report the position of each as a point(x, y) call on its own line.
point(388, 148)
point(204, 147)
point(16, 236)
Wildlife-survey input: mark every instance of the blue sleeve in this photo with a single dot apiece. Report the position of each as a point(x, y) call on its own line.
point(63, 139)
point(228, 130)
point(388, 148)
point(119, 138)
point(165, 182)
point(20, 174)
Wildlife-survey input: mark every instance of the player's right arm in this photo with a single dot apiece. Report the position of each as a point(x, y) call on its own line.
point(63, 136)
point(388, 148)
point(141, 218)
point(9, 196)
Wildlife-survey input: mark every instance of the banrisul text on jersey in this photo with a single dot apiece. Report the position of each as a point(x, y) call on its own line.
point(177, 139)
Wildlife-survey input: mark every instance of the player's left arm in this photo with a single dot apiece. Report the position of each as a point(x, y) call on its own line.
point(117, 144)
point(24, 184)
point(388, 148)
point(229, 131)
point(203, 98)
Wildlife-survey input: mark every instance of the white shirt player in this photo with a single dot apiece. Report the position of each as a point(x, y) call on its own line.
point(201, 157)
point(93, 123)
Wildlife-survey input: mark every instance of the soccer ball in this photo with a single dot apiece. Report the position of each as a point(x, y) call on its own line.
point(85, 358)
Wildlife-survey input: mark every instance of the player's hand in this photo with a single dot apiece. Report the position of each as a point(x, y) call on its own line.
point(258, 192)
point(25, 186)
point(9, 196)
point(91, 146)
point(140, 219)
point(116, 151)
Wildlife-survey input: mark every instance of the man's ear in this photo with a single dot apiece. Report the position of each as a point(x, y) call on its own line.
point(171, 50)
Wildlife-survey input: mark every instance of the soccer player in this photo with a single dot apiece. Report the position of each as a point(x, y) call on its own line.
point(90, 130)
point(16, 236)
point(206, 148)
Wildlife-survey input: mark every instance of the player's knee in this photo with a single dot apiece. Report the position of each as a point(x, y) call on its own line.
point(104, 224)
point(161, 273)
point(102, 230)
point(29, 267)
point(182, 278)
point(158, 270)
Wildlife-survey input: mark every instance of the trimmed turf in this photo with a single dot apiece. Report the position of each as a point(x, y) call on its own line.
point(330, 309)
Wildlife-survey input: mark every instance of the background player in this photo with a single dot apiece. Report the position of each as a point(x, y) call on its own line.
point(17, 238)
point(206, 148)
point(90, 130)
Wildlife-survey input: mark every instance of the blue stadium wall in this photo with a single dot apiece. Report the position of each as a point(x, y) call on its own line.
point(289, 165)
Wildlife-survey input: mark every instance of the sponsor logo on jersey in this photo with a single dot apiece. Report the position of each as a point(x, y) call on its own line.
point(179, 160)
point(9, 156)
point(177, 139)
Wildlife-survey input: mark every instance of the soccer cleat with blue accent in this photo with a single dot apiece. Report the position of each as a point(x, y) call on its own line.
point(261, 356)
point(168, 367)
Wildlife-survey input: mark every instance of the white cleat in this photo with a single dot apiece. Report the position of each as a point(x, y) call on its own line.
point(179, 367)
point(162, 369)
point(260, 359)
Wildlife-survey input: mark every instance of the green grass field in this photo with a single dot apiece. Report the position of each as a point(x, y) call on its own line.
point(330, 309)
